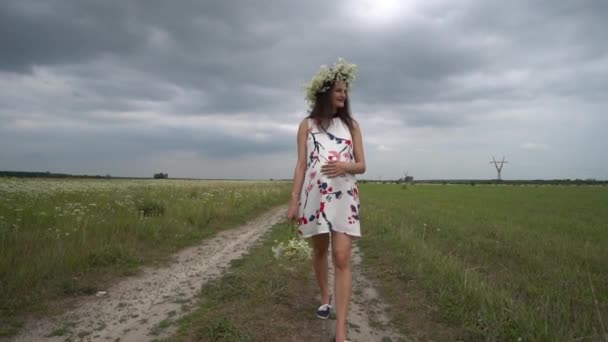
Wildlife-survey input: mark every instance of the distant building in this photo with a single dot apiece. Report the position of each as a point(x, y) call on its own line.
point(406, 179)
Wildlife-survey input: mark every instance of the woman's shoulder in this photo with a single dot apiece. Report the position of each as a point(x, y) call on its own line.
point(304, 124)
point(355, 124)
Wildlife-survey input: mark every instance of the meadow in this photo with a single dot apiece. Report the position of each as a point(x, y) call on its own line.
point(506, 263)
point(61, 238)
point(484, 262)
point(456, 262)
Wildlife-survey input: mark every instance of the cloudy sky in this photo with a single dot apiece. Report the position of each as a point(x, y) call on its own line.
point(213, 89)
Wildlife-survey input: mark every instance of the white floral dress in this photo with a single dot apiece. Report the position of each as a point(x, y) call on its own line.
point(328, 204)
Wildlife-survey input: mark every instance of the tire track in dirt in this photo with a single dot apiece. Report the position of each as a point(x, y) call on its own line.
point(143, 307)
point(367, 320)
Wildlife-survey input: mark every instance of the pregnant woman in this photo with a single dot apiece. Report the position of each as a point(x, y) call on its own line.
point(325, 197)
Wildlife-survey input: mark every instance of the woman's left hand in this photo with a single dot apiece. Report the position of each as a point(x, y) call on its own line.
point(334, 168)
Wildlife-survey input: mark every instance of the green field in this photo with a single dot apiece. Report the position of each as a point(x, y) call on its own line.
point(464, 262)
point(456, 262)
point(67, 237)
point(492, 262)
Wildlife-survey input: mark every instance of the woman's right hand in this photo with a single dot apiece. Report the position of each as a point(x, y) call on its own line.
point(292, 213)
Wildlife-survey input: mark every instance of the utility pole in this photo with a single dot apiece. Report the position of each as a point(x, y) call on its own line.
point(498, 168)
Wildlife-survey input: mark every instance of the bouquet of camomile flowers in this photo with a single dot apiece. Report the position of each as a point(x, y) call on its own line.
point(295, 249)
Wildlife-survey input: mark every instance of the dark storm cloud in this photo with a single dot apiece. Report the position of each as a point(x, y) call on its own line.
point(37, 32)
point(130, 142)
point(436, 64)
point(230, 50)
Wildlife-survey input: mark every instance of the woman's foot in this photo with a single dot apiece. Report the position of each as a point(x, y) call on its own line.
point(323, 311)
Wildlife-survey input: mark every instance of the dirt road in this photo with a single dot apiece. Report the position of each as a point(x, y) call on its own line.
point(367, 320)
point(142, 307)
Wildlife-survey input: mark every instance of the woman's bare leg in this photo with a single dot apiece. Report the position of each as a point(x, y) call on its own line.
point(341, 245)
point(320, 244)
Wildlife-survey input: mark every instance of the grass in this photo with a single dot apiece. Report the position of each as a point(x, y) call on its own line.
point(455, 261)
point(257, 299)
point(64, 238)
point(490, 262)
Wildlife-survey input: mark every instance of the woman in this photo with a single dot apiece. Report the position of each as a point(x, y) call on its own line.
point(325, 197)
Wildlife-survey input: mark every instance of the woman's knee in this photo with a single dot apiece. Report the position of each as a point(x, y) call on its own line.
point(341, 259)
point(320, 245)
point(320, 252)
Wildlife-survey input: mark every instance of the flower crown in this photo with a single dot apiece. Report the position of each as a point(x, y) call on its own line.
point(322, 81)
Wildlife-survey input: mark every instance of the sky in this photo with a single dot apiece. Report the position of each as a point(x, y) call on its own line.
point(214, 89)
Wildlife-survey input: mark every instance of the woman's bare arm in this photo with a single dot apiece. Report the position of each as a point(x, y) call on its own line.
point(359, 165)
point(300, 170)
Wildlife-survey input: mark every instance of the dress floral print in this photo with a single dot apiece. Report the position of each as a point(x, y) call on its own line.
point(328, 204)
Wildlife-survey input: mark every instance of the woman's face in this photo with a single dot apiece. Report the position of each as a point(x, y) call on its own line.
point(338, 94)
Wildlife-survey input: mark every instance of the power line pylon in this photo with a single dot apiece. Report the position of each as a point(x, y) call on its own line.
point(499, 166)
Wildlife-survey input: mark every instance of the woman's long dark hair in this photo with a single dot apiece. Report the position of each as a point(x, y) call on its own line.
point(322, 111)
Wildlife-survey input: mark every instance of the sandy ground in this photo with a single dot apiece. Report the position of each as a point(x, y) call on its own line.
point(142, 307)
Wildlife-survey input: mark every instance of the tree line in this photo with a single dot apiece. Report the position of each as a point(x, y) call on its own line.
point(48, 174)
